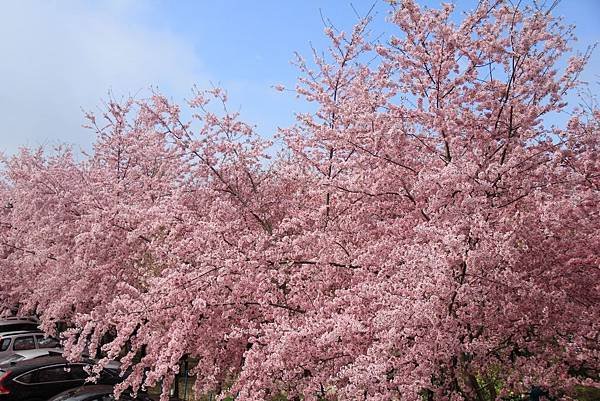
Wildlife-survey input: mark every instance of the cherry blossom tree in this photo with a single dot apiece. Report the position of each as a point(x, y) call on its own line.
point(425, 234)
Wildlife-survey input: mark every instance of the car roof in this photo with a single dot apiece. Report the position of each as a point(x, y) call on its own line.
point(19, 332)
point(90, 389)
point(29, 364)
point(19, 318)
point(6, 322)
point(81, 393)
point(84, 392)
point(12, 359)
point(32, 352)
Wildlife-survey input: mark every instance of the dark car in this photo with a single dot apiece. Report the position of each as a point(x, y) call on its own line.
point(96, 392)
point(11, 324)
point(41, 378)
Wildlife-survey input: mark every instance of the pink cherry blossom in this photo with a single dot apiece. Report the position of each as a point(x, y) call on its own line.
point(423, 234)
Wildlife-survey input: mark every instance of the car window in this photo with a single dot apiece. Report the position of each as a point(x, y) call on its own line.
point(4, 344)
point(108, 374)
point(26, 378)
point(47, 342)
point(78, 372)
point(53, 374)
point(23, 343)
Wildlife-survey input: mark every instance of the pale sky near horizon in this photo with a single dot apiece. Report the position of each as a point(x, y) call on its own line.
point(59, 57)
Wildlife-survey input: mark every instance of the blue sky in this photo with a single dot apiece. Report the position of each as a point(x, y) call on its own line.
point(59, 57)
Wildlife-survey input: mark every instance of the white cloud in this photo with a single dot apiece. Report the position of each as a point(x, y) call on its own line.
point(59, 57)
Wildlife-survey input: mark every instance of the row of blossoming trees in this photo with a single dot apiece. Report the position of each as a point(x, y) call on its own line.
point(424, 234)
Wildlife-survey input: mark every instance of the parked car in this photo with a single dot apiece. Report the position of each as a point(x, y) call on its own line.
point(14, 324)
point(14, 341)
point(42, 378)
point(96, 392)
point(30, 354)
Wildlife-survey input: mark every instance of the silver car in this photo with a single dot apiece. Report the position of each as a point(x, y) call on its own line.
point(15, 341)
